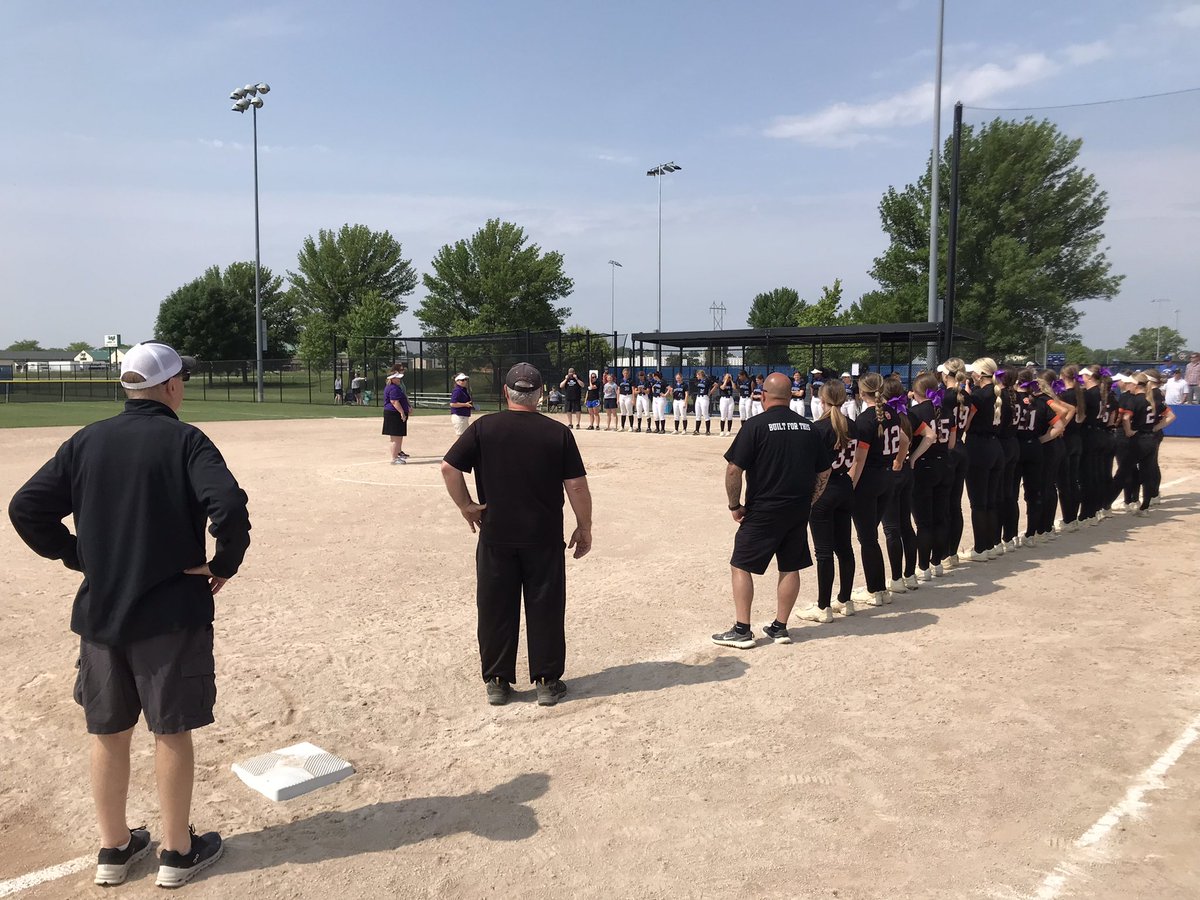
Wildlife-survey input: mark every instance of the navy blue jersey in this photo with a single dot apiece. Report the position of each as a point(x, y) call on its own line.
point(756, 394)
point(727, 390)
point(703, 386)
point(679, 390)
point(656, 387)
point(625, 385)
point(744, 388)
point(798, 388)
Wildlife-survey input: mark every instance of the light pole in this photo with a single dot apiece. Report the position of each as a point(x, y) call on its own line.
point(1158, 330)
point(250, 97)
point(614, 265)
point(658, 172)
point(934, 171)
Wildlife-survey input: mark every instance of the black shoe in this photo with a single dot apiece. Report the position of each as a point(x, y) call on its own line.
point(778, 634)
point(499, 691)
point(112, 865)
point(549, 691)
point(177, 869)
point(734, 638)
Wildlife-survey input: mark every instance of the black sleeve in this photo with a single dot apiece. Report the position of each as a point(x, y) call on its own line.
point(866, 430)
point(743, 449)
point(822, 458)
point(37, 510)
point(572, 461)
point(223, 502)
point(464, 453)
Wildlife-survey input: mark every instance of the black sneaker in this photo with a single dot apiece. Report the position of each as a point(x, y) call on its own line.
point(177, 869)
point(779, 634)
point(112, 865)
point(498, 691)
point(549, 691)
point(734, 638)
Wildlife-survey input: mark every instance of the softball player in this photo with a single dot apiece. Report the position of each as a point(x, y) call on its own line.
point(1142, 419)
point(1055, 450)
point(756, 396)
point(797, 401)
point(727, 390)
point(704, 386)
point(898, 532)
point(642, 400)
point(954, 372)
point(679, 395)
point(1069, 478)
point(934, 424)
point(990, 407)
point(625, 388)
point(1034, 421)
point(659, 403)
point(745, 386)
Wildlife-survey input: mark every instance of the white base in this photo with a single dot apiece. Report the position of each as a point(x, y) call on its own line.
point(292, 771)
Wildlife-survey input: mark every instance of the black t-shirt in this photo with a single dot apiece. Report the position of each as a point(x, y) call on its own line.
point(984, 401)
point(573, 389)
point(782, 456)
point(881, 449)
point(1137, 408)
point(961, 410)
point(679, 390)
point(593, 391)
point(520, 460)
point(1034, 416)
point(842, 459)
point(937, 421)
point(1092, 417)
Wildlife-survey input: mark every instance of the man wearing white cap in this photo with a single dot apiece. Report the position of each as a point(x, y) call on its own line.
point(461, 403)
point(141, 487)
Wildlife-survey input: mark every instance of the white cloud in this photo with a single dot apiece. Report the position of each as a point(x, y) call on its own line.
point(1083, 54)
point(848, 124)
point(1187, 16)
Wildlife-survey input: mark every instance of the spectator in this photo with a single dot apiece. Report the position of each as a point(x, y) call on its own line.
point(1192, 377)
point(337, 389)
point(522, 462)
point(572, 388)
point(141, 486)
point(1177, 389)
point(358, 384)
point(461, 404)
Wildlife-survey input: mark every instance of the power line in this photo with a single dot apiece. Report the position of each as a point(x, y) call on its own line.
point(1077, 105)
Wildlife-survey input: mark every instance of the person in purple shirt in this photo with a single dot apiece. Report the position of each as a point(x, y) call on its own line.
point(461, 404)
point(395, 414)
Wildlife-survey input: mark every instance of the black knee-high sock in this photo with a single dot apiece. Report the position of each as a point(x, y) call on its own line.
point(708, 426)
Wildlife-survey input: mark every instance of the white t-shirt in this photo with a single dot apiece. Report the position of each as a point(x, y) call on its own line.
point(1176, 391)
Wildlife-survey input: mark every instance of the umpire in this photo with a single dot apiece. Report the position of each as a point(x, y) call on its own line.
point(141, 486)
point(522, 461)
point(787, 467)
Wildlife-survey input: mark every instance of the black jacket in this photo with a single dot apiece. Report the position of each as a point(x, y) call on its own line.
point(141, 486)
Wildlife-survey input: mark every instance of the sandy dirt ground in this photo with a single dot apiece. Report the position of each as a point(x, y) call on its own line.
point(954, 744)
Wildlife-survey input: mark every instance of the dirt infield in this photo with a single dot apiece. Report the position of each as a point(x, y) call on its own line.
point(957, 743)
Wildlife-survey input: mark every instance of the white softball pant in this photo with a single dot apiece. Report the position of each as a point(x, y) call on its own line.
point(680, 407)
point(744, 408)
point(643, 406)
point(726, 409)
point(460, 423)
point(660, 409)
point(796, 406)
point(625, 404)
point(702, 409)
point(755, 407)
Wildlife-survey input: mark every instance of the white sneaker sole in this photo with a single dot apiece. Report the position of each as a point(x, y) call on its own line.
point(744, 644)
point(169, 877)
point(113, 875)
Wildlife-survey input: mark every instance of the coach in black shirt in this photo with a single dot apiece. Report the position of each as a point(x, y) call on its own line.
point(522, 462)
point(141, 487)
point(786, 466)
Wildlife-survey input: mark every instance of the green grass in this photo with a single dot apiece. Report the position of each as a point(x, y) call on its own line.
point(36, 415)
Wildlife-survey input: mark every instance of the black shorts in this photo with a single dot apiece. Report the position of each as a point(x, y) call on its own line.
point(763, 535)
point(171, 678)
point(394, 425)
point(610, 402)
point(573, 406)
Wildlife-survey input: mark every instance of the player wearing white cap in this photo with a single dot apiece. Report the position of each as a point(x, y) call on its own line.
point(461, 403)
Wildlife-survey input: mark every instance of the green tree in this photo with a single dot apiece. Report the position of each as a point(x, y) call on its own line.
point(371, 317)
point(774, 309)
point(212, 317)
point(278, 306)
point(337, 271)
point(1154, 343)
point(78, 346)
point(1030, 239)
point(582, 352)
point(24, 345)
point(492, 282)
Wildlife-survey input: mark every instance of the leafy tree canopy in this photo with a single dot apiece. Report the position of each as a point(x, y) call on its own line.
point(79, 346)
point(1030, 239)
point(1155, 343)
point(25, 345)
point(494, 281)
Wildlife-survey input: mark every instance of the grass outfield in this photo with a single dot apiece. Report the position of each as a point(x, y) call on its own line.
point(36, 415)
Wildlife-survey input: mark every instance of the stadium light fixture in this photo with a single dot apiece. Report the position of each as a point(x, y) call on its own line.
point(249, 98)
point(1158, 329)
point(658, 172)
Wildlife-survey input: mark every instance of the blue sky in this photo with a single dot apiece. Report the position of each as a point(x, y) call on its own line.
point(125, 174)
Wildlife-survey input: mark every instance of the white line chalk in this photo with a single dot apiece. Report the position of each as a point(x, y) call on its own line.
point(1130, 805)
point(1176, 481)
point(51, 873)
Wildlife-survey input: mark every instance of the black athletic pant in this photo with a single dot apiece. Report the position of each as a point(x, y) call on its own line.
point(1070, 481)
point(1029, 470)
point(870, 502)
point(1145, 474)
point(1124, 485)
point(1010, 500)
point(985, 468)
point(1112, 450)
point(503, 572)
point(1053, 454)
point(1158, 439)
point(898, 527)
point(829, 520)
point(958, 484)
point(932, 481)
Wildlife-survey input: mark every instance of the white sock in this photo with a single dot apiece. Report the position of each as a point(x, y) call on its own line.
point(125, 845)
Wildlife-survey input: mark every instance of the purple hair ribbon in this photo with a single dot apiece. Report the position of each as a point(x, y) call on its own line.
point(1079, 379)
point(1104, 372)
point(937, 396)
point(1059, 386)
point(899, 405)
point(1029, 385)
point(1000, 373)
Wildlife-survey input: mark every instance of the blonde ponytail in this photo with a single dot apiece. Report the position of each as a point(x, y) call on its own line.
point(872, 383)
point(833, 395)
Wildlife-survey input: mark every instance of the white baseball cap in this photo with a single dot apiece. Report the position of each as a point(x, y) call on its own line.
point(942, 370)
point(396, 375)
point(461, 376)
point(156, 363)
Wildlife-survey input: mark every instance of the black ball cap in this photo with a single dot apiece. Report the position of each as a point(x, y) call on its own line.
point(524, 378)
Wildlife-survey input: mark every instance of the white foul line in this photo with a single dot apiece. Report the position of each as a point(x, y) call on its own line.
point(1176, 481)
point(33, 879)
point(1130, 805)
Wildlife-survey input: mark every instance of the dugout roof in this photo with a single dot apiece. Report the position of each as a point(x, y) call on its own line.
point(916, 333)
